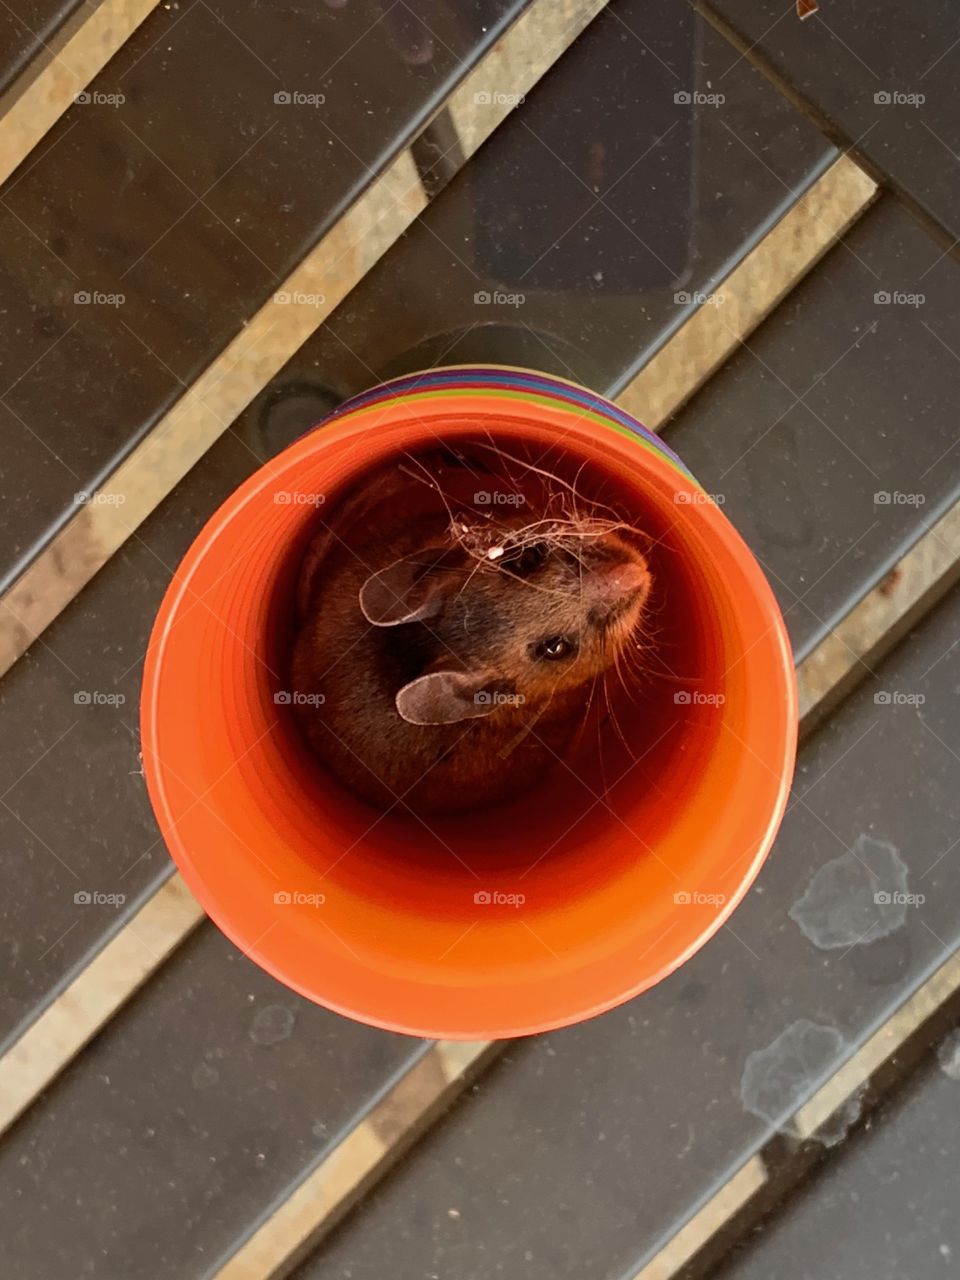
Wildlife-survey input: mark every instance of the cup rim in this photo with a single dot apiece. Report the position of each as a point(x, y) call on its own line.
point(356, 423)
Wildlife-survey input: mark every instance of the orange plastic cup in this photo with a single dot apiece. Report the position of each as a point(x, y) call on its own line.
point(498, 924)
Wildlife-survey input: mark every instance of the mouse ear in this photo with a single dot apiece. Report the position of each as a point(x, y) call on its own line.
point(444, 697)
point(408, 589)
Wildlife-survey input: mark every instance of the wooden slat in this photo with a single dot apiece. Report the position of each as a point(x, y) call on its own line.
point(208, 406)
point(31, 110)
point(108, 981)
point(924, 574)
point(858, 1070)
point(749, 293)
point(730, 1199)
point(364, 1155)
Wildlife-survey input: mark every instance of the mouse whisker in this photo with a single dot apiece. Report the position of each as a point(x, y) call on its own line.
point(603, 772)
point(635, 667)
point(631, 674)
point(586, 714)
point(616, 723)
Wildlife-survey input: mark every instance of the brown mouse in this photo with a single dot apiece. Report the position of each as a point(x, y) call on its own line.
point(447, 650)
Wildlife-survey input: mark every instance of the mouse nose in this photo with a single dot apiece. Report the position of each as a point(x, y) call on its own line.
point(625, 580)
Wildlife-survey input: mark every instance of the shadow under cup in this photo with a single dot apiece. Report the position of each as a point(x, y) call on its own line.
point(496, 923)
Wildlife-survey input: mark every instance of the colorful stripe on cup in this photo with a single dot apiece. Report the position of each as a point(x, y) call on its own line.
point(523, 384)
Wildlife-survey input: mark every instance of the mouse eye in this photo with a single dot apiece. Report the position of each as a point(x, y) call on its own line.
point(554, 648)
point(523, 560)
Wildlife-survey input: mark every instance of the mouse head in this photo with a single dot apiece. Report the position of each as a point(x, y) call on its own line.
point(519, 614)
